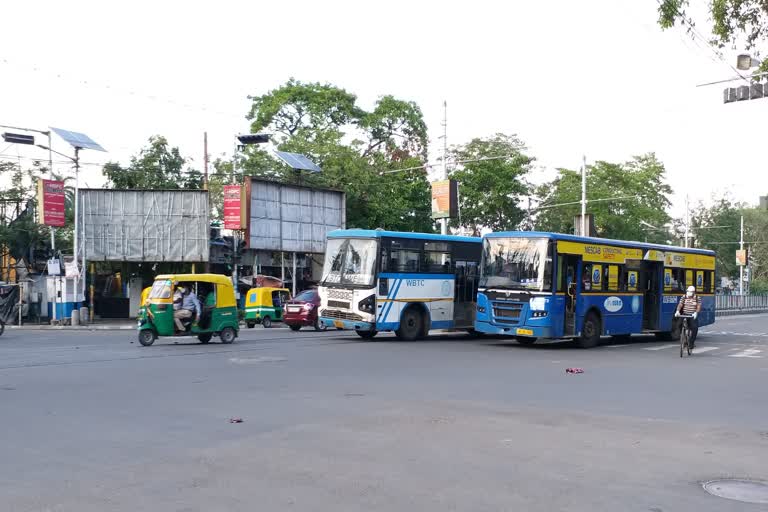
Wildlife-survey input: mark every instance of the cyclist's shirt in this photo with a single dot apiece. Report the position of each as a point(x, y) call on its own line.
point(689, 305)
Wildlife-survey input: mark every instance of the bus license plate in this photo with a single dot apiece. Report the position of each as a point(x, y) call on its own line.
point(525, 332)
point(338, 323)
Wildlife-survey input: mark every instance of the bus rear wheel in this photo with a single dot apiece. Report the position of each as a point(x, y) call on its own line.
point(590, 331)
point(411, 325)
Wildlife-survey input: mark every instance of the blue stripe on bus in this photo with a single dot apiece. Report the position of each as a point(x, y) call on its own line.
point(389, 305)
point(417, 276)
point(389, 295)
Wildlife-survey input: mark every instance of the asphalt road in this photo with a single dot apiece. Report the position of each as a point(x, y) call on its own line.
point(92, 421)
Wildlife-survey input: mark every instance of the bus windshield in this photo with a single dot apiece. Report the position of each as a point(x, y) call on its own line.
point(516, 264)
point(350, 262)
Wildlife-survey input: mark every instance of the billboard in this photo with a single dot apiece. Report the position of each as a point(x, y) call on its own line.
point(51, 203)
point(445, 199)
point(233, 207)
point(741, 257)
point(144, 225)
point(291, 218)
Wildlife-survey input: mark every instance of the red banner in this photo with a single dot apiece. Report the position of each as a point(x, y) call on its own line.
point(233, 207)
point(50, 201)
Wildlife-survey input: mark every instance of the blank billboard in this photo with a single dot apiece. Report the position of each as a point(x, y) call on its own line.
point(292, 218)
point(144, 225)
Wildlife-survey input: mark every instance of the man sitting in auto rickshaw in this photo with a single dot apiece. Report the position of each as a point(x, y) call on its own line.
point(190, 307)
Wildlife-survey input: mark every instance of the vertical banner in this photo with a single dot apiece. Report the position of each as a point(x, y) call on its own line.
point(741, 258)
point(51, 203)
point(699, 280)
point(632, 280)
point(445, 199)
point(667, 279)
point(233, 207)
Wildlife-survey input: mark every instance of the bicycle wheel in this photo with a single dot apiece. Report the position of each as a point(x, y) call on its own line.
point(683, 340)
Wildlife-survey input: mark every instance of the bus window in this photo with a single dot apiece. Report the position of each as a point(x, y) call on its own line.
point(677, 282)
point(437, 258)
point(586, 277)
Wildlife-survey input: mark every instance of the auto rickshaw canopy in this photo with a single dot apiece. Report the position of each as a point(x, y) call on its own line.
point(162, 289)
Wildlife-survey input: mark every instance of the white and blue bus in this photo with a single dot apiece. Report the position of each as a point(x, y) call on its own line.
point(409, 283)
point(548, 285)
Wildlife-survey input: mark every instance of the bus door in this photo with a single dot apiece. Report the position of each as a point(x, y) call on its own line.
point(465, 293)
point(572, 277)
point(651, 278)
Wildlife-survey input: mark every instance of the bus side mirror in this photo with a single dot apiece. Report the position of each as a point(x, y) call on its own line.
point(383, 286)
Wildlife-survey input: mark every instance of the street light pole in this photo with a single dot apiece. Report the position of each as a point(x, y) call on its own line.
point(584, 196)
point(741, 248)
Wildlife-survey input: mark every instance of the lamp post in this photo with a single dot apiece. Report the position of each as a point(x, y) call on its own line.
point(242, 140)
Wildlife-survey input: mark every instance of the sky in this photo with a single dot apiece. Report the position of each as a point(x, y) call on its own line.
point(598, 79)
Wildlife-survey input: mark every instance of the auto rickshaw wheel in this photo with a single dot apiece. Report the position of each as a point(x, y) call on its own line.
point(250, 325)
point(205, 337)
point(266, 322)
point(227, 335)
point(147, 337)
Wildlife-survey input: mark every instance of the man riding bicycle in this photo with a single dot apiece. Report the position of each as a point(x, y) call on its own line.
point(690, 305)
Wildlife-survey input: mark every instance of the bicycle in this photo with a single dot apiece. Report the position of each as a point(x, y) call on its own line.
point(685, 335)
point(2, 327)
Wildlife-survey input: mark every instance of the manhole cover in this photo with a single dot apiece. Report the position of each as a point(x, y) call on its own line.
point(748, 491)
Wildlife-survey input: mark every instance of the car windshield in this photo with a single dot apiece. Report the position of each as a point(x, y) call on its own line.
point(305, 296)
point(349, 262)
point(516, 264)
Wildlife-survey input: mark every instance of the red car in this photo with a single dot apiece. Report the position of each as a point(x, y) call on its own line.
point(301, 311)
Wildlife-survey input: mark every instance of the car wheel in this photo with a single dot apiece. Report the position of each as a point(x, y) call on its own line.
point(320, 326)
point(295, 327)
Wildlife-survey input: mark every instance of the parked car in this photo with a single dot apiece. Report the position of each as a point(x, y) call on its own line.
point(301, 311)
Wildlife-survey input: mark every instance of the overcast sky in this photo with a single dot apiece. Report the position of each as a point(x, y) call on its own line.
point(595, 78)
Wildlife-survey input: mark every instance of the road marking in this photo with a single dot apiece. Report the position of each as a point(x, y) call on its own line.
point(620, 345)
point(662, 347)
point(750, 352)
point(701, 350)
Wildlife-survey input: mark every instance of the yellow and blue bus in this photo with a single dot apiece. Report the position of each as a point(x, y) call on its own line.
point(546, 285)
point(409, 283)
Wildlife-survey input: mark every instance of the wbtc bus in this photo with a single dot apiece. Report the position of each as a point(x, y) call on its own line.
point(547, 285)
point(375, 280)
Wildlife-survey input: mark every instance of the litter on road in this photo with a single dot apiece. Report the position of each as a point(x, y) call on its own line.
point(574, 370)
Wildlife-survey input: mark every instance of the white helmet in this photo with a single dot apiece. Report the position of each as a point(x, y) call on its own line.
point(691, 289)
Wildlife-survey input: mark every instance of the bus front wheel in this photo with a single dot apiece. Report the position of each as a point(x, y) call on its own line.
point(590, 331)
point(411, 325)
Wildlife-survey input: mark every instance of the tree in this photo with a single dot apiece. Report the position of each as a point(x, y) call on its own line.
point(716, 227)
point(634, 191)
point(157, 166)
point(354, 148)
point(492, 182)
point(731, 20)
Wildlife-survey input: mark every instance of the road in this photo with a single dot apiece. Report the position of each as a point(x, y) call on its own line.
point(95, 422)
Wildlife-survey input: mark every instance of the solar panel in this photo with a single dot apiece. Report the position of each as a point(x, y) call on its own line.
point(77, 140)
point(298, 162)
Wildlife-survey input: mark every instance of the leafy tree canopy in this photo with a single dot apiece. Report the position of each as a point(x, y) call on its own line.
point(157, 166)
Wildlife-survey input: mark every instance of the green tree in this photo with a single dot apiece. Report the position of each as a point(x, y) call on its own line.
point(731, 21)
point(492, 182)
point(716, 227)
point(157, 166)
point(354, 148)
point(641, 185)
point(756, 234)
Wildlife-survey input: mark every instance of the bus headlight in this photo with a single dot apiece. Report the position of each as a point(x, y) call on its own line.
point(368, 304)
point(538, 304)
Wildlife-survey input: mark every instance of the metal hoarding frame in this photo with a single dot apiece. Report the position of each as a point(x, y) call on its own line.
point(145, 225)
point(291, 218)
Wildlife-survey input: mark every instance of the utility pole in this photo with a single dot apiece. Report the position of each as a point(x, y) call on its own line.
point(741, 248)
point(444, 222)
point(205, 160)
point(687, 221)
point(584, 196)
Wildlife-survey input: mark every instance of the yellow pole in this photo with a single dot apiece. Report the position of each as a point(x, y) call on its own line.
point(193, 268)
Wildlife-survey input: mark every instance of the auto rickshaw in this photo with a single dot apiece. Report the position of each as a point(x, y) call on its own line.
point(144, 297)
point(217, 302)
point(265, 305)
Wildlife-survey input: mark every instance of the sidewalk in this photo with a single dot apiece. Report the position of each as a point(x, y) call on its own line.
point(123, 324)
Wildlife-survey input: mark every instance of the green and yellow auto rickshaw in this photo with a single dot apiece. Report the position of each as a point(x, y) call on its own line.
point(218, 309)
point(265, 305)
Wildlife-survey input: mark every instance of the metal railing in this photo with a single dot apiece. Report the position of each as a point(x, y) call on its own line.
point(741, 303)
